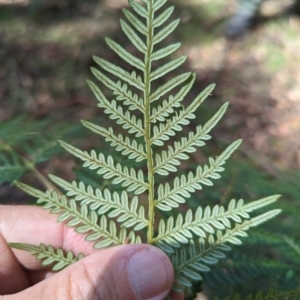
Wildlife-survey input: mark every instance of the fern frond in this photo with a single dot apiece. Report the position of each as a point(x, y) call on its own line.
point(127, 121)
point(168, 67)
point(167, 161)
point(132, 78)
point(173, 234)
point(230, 235)
point(133, 37)
point(129, 178)
point(164, 131)
point(22, 150)
point(158, 4)
point(124, 54)
point(168, 86)
point(163, 17)
point(135, 22)
point(185, 185)
point(194, 241)
point(138, 8)
point(189, 259)
point(127, 147)
point(120, 90)
point(293, 246)
point(95, 199)
point(240, 270)
point(11, 167)
point(164, 52)
point(163, 33)
point(98, 231)
point(49, 255)
point(161, 112)
point(10, 133)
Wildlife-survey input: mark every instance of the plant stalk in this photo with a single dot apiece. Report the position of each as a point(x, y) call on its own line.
point(147, 125)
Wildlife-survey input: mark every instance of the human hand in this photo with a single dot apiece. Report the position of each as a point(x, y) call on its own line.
point(124, 272)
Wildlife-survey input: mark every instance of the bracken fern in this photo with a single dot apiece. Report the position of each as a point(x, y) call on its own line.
point(22, 150)
point(150, 113)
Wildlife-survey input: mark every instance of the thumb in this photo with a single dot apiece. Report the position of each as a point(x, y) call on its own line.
point(130, 272)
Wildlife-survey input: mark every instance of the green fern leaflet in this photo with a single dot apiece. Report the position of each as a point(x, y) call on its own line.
point(149, 110)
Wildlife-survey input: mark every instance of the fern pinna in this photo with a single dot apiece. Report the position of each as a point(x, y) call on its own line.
point(150, 113)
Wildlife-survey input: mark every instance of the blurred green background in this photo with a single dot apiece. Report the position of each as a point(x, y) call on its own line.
point(46, 49)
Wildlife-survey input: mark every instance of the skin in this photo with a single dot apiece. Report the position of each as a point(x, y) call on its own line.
point(132, 272)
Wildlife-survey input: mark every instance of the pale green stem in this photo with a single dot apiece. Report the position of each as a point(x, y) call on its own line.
point(42, 178)
point(147, 125)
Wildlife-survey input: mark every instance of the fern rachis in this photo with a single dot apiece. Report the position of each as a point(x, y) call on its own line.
point(193, 240)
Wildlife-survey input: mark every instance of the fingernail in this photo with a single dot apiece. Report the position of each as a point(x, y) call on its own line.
point(150, 274)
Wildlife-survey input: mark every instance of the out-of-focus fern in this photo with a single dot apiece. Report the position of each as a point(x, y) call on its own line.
point(271, 295)
point(150, 114)
point(26, 143)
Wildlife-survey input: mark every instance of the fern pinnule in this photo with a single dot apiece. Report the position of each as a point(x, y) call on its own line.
point(104, 201)
point(167, 161)
point(184, 185)
point(130, 178)
point(185, 259)
point(50, 255)
point(127, 147)
point(205, 221)
point(99, 230)
point(163, 111)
